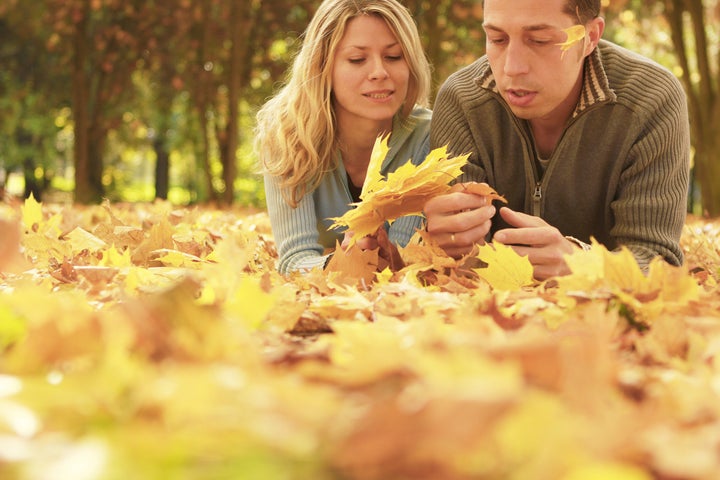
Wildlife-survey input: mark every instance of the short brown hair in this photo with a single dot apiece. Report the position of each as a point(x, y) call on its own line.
point(584, 10)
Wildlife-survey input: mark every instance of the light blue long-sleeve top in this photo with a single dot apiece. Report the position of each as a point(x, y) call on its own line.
point(303, 235)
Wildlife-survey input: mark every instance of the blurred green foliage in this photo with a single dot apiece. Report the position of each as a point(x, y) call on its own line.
point(157, 84)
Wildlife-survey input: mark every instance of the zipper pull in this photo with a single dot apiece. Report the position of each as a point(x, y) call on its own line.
point(537, 197)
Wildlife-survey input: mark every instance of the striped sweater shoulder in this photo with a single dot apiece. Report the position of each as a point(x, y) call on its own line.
point(640, 83)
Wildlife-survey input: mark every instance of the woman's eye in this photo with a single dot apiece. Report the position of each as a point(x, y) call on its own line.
point(394, 58)
point(356, 60)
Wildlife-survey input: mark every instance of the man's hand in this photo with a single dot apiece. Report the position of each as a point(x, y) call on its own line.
point(458, 220)
point(542, 243)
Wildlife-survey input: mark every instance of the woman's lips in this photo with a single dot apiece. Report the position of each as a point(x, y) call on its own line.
point(379, 96)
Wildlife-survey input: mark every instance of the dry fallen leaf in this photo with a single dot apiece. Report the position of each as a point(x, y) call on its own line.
point(231, 370)
point(482, 189)
point(506, 270)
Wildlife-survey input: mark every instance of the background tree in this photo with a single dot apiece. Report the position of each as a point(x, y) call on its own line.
point(451, 32)
point(164, 94)
point(101, 42)
point(684, 36)
point(27, 95)
point(694, 30)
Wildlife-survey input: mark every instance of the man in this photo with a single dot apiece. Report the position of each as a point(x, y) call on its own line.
point(584, 139)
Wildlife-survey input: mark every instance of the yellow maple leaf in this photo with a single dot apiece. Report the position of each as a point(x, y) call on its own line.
point(403, 192)
point(622, 269)
point(113, 258)
point(252, 302)
point(374, 177)
point(175, 258)
point(31, 212)
point(80, 239)
point(587, 267)
point(506, 270)
point(618, 274)
point(575, 34)
point(605, 470)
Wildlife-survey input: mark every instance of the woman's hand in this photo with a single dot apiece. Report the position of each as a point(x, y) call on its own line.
point(368, 242)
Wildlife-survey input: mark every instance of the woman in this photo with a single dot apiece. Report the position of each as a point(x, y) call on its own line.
point(361, 72)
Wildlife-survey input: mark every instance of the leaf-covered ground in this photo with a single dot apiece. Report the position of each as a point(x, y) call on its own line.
point(148, 342)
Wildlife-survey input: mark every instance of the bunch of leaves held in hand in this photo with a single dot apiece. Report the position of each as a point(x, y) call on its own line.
point(404, 192)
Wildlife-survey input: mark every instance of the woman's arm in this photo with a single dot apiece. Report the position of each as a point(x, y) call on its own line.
point(295, 230)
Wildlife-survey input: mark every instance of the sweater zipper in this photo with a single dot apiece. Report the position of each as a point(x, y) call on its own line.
point(537, 193)
point(537, 198)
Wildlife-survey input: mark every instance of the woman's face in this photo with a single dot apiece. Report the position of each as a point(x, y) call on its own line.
point(370, 74)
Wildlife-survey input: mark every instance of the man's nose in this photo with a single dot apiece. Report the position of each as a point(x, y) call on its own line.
point(516, 59)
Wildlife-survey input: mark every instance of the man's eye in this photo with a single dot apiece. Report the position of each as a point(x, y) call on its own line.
point(496, 41)
point(539, 41)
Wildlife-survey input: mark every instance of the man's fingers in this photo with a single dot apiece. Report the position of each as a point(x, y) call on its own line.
point(518, 219)
point(520, 236)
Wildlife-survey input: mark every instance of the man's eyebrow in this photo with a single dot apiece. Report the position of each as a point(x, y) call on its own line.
point(529, 28)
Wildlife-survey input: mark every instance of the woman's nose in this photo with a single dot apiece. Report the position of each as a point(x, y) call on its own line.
point(378, 70)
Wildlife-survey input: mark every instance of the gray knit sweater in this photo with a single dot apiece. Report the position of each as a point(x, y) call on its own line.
point(620, 171)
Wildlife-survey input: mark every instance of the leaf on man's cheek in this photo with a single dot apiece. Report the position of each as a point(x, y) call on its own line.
point(575, 34)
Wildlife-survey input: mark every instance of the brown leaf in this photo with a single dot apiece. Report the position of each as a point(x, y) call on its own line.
point(482, 189)
point(353, 266)
point(10, 258)
point(388, 252)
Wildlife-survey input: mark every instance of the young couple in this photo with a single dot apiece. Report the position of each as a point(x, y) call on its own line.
point(586, 140)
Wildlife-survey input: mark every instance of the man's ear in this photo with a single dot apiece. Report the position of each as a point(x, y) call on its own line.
point(595, 29)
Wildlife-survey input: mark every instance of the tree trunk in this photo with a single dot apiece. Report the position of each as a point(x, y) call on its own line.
point(83, 190)
point(703, 102)
point(240, 20)
point(162, 167)
point(227, 152)
point(32, 186)
point(97, 137)
point(707, 167)
point(434, 52)
point(202, 103)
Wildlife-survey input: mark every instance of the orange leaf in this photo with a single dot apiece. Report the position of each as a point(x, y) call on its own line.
point(482, 189)
point(353, 266)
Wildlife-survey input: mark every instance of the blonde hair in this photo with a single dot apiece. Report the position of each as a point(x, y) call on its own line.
point(296, 136)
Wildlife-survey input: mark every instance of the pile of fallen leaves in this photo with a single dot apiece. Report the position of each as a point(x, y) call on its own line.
point(146, 341)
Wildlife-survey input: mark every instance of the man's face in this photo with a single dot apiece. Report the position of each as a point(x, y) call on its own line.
point(536, 78)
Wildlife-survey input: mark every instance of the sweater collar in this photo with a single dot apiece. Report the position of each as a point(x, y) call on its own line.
point(596, 87)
